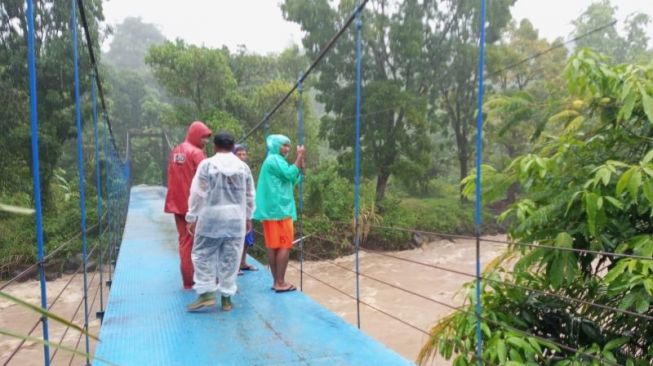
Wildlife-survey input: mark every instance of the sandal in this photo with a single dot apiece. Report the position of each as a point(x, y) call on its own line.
point(289, 289)
point(248, 267)
point(226, 303)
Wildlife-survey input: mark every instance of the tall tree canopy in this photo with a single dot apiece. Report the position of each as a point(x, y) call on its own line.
point(131, 40)
point(55, 85)
point(523, 92)
point(199, 75)
point(419, 69)
point(630, 47)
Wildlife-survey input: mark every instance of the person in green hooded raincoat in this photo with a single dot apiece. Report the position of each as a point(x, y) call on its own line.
point(275, 205)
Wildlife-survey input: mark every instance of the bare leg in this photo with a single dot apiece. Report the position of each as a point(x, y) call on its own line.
point(272, 259)
point(281, 265)
point(243, 259)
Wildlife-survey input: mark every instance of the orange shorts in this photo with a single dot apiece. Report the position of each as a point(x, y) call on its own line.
point(279, 234)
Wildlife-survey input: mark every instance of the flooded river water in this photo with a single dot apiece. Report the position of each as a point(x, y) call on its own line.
point(443, 286)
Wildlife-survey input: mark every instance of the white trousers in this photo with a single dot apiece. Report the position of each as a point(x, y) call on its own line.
point(216, 258)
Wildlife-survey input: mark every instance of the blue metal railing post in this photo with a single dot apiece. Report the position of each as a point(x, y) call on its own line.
point(98, 190)
point(300, 132)
point(479, 159)
point(80, 166)
point(36, 172)
point(357, 169)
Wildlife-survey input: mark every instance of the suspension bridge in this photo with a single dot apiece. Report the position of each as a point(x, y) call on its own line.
point(145, 322)
point(143, 318)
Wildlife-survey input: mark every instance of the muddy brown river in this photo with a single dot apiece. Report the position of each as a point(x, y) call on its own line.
point(445, 287)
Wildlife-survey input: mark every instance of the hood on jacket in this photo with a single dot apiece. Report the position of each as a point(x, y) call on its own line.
point(196, 132)
point(227, 163)
point(274, 143)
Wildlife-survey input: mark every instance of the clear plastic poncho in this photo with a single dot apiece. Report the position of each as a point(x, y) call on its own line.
point(221, 197)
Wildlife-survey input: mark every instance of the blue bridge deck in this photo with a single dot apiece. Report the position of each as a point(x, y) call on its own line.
point(146, 322)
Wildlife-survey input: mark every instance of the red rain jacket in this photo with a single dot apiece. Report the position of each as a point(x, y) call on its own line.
point(182, 164)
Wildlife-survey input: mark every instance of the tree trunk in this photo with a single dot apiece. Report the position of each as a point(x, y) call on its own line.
point(459, 127)
point(462, 149)
point(463, 160)
point(381, 184)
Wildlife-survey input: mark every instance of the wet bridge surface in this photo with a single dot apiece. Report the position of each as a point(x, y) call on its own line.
point(146, 323)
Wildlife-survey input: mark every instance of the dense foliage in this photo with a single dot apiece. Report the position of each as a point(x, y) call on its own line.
point(56, 116)
point(589, 187)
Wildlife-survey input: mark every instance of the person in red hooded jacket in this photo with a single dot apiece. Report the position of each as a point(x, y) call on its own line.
point(182, 164)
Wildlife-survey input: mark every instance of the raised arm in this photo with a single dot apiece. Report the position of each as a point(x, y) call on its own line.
point(289, 172)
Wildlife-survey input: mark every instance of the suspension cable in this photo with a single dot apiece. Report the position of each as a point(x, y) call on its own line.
point(91, 54)
point(310, 69)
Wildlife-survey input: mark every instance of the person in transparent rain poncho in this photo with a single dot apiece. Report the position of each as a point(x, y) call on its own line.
point(220, 205)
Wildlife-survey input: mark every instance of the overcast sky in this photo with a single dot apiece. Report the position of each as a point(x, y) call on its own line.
point(260, 26)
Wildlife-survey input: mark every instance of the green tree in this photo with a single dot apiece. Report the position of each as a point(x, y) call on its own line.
point(523, 91)
point(57, 131)
point(511, 65)
point(55, 85)
point(199, 77)
point(131, 40)
point(262, 81)
point(406, 90)
point(284, 121)
point(608, 41)
point(252, 70)
point(394, 125)
point(453, 62)
point(13, 161)
point(590, 187)
point(137, 102)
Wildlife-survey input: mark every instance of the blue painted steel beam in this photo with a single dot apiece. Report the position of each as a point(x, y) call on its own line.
point(357, 154)
point(300, 133)
point(36, 171)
